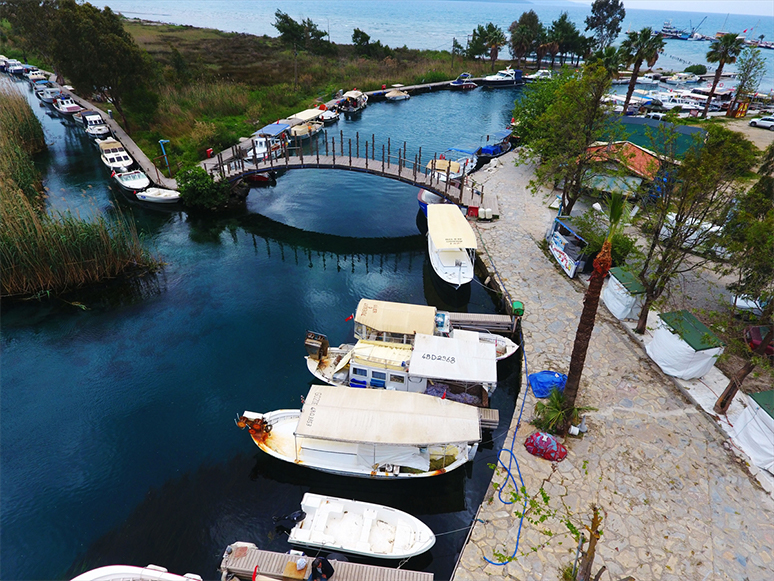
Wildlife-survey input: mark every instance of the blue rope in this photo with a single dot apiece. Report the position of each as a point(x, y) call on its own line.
point(511, 460)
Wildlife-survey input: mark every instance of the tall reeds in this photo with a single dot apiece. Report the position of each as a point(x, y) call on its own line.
point(21, 135)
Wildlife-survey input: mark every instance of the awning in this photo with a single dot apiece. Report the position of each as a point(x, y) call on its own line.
point(381, 416)
point(272, 129)
point(440, 165)
point(448, 227)
point(307, 114)
point(352, 95)
point(381, 354)
point(390, 317)
point(628, 280)
point(459, 358)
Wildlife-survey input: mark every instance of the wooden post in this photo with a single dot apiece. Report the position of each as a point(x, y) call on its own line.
point(350, 152)
point(326, 143)
point(404, 150)
point(287, 154)
point(434, 171)
point(373, 147)
point(419, 159)
point(255, 154)
point(357, 144)
point(366, 154)
point(317, 151)
point(400, 163)
point(382, 157)
point(446, 185)
point(415, 167)
point(388, 152)
point(300, 150)
point(333, 148)
point(341, 140)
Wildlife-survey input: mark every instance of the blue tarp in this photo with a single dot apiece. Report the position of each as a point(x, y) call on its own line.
point(544, 382)
point(272, 129)
point(501, 135)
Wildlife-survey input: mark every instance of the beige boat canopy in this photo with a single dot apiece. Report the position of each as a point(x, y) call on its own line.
point(448, 227)
point(382, 416)
point(387, 317)
point(307, 115)
point(109, 143)
point(393, 356)
point(441, 165)
point(352, 95)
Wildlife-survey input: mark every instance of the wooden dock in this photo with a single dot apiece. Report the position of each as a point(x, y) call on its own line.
point(241, 559)
point(489, 417)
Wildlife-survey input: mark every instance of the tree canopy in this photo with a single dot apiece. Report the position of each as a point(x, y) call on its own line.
point(486, 41)
point(639, 47)
point(304, 35)
point(722, 50)
point(605, 21)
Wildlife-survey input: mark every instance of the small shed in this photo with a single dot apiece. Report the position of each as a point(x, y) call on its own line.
point(623, 294)
point(683, 346)
point(754, 429)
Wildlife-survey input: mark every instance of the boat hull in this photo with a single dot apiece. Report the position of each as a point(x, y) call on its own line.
point(454, 267)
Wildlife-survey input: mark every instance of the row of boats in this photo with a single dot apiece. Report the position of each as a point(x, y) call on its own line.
point(507, 77)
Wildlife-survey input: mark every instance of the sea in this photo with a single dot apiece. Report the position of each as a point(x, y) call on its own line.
point(434, 24)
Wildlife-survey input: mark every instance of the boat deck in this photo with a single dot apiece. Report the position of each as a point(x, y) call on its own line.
point(483, 322)
point(244, 558)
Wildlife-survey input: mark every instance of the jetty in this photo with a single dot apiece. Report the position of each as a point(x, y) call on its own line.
point(243, 560)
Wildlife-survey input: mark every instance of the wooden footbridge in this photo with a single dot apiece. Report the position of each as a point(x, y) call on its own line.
point(328, 152)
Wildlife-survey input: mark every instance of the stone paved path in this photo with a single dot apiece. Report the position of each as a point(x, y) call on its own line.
point(677, 504)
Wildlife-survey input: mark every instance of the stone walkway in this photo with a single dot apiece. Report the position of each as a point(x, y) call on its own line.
point(677, 504)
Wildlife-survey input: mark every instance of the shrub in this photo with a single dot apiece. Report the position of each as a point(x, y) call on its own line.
point(199, 190)
point(696, 69)
point(550, 414)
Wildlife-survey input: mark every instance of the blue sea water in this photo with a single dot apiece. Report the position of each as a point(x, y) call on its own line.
point(432, 24)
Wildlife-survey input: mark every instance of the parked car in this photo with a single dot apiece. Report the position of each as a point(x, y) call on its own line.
point(765, 122)
point(753, 337)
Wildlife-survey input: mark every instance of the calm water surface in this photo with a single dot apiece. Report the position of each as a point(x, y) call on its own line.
point(118, 441)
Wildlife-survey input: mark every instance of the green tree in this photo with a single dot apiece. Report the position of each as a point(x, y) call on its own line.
point(748, 238)
point(564, 32)
point(696, 192)
point(639, 47)
point(605, 21)
point(361, 41)
point(536, 99)
point(580, 346)
point(487, 41)
point(750, 68)
point(302, 35)
point(722, 50)
point(610, 58)
point(199, 190)
point(526, 33)
point(32, 23)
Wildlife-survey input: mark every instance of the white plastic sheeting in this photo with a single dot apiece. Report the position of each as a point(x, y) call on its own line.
point(678, 359)
point(619, 301)
point(459, 358)
point(372, 456)
point(754, 430)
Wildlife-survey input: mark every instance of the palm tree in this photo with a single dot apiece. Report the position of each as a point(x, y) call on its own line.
point(495, 38)
point(639, 47)
point(722, 50)
point(602, 265)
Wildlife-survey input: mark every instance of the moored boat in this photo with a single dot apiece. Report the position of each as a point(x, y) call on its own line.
point(540, 75)
point(48, 94)
point(396, 95)
point(329, 116)
point(131, 573)
point(463, 83)
point(65, 106)
point(352, 102)
point(305, 124)
point(369, 433)
point(268, 142)
point(158, 195)
point(132, 181)
point(425, 197)
point(453, 163)
point(113, 154)
point(501, 144)
point(451, 244)
point(507, 77)
point(360, 528)
point(93, 123)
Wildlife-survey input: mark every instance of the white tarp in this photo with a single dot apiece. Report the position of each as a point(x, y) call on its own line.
point(678, 359)
point(307, 114)
point(754, 430)
point(383, 416)
point(619, 302)
point(390, 317)
point(458, 358)
point(448, 227)
point(373, 456)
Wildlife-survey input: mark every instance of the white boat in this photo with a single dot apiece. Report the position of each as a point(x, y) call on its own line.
point(268, 142)
point(453, 163)
point(649, 79)
point(396, 95)
point(451, 244)
point(360, 528)
point(14, 67)
point(463, 83)
point(305, 124)
point(159, 196)
point(507, 77)
point(682, 78)
point(132, 181)
point(425, 197)
point(130, 573)
point(64, 105)
point(48, 94)
point(369, 433)
point(35, 75)
point(93, 124)
point(352, 102)
point(329, 116)
point(542, 74)
point(113, 154)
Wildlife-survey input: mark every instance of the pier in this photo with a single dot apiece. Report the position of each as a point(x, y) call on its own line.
point(242, 560)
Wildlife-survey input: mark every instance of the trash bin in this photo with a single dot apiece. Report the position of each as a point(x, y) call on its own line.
point(209, 152)
point(110, 113)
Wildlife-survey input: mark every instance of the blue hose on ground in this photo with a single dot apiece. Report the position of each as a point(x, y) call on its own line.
point(512, 459)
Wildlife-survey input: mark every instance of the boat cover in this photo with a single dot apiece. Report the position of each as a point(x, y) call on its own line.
point(390, 317)
point(352, 95)
point(307, 114)
point(382, 416)
point(440, 165)
point(448, 227)
point(378, 353)
point(272, 129)
point(459, 358)
point(754, 429)
point(681, 349)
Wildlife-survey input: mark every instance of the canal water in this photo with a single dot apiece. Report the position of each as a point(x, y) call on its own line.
point(118, 440)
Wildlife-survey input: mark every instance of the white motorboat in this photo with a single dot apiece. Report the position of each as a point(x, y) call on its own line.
point(369, 433)
point(396, 95)
point(649, 79)
point(329, 116)
point(463, 83)
point(541, 75)
point(93, 124)
point(35, 75)
point(48, 94)
point(507, 77)
point(682, 78)
point(64, 105)
point(352, 102)
point(425, 197)
point(158, 196)
point(360, 528)
point(451, 244)
point(132, 181)
point(130, 573)
point(113, 154)
point(14, 67)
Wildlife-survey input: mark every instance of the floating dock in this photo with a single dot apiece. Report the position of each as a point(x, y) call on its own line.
point(241, 559)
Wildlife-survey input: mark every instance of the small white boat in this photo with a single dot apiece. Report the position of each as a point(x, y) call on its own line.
point(113, 154)
point(159, 196)
point(369, 433)
point(425, 197)
point(396, 95)
point(304, 124)
point(352, 102)
point(451, 244)
point(541, 75)
point(507, 77)
point(329, 116)
point(463, 83)
point(130, 573)
point(682, 78)
point(14, 67)
point(48, 94)
point(66, 106)
point(453, 163)
point(132, 181)
point(93, 124)
point(360, 528)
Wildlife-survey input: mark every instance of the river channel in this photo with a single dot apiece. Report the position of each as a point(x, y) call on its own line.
point(118, 440)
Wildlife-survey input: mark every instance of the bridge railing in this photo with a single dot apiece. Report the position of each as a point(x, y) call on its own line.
point(380, 159)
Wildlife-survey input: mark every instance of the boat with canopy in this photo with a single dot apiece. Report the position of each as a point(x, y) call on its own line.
point(451, 244)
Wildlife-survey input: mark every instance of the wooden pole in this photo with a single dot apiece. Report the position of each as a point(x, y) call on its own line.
point(419, 159)
point(357, 144)
point(300, 149)
point(373, 147)
point(350, 152)
point(382, 157)
point(415, 167)
point(388, 152)
point(341, 140)
point(366, 154)
point(446, 185)
point(326, 144)
point(317, 151)
point(333, 148)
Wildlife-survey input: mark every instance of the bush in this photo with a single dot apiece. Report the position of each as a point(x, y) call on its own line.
point(199, 190)
point(550, 414)
point(593, 230)
point(696, 69)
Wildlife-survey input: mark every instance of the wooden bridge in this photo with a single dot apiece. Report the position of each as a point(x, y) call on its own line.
point(340, 154)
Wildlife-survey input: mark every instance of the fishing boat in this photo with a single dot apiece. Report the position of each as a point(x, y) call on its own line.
point(396, 95)
point(158, 196)
point(359, 528)
point(131, 181)
point(352, 102)
point(451, 244)
point(113, 154)
point(35, 75)
point(507, 77)
point(329, 116)
point(92, 123)
point(130, 573)
point(14, 67)
point(463, 83)
point(268, 142)
point(65, 106)
point(369, 433)
point(453, 163)
point(305, 124)
point(501, 144)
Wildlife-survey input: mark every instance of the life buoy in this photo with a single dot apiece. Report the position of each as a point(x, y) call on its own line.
point(442, 156)
point(720, 85)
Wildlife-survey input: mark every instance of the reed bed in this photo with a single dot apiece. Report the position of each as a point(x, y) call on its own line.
point(18, 122)
point(51, 253)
